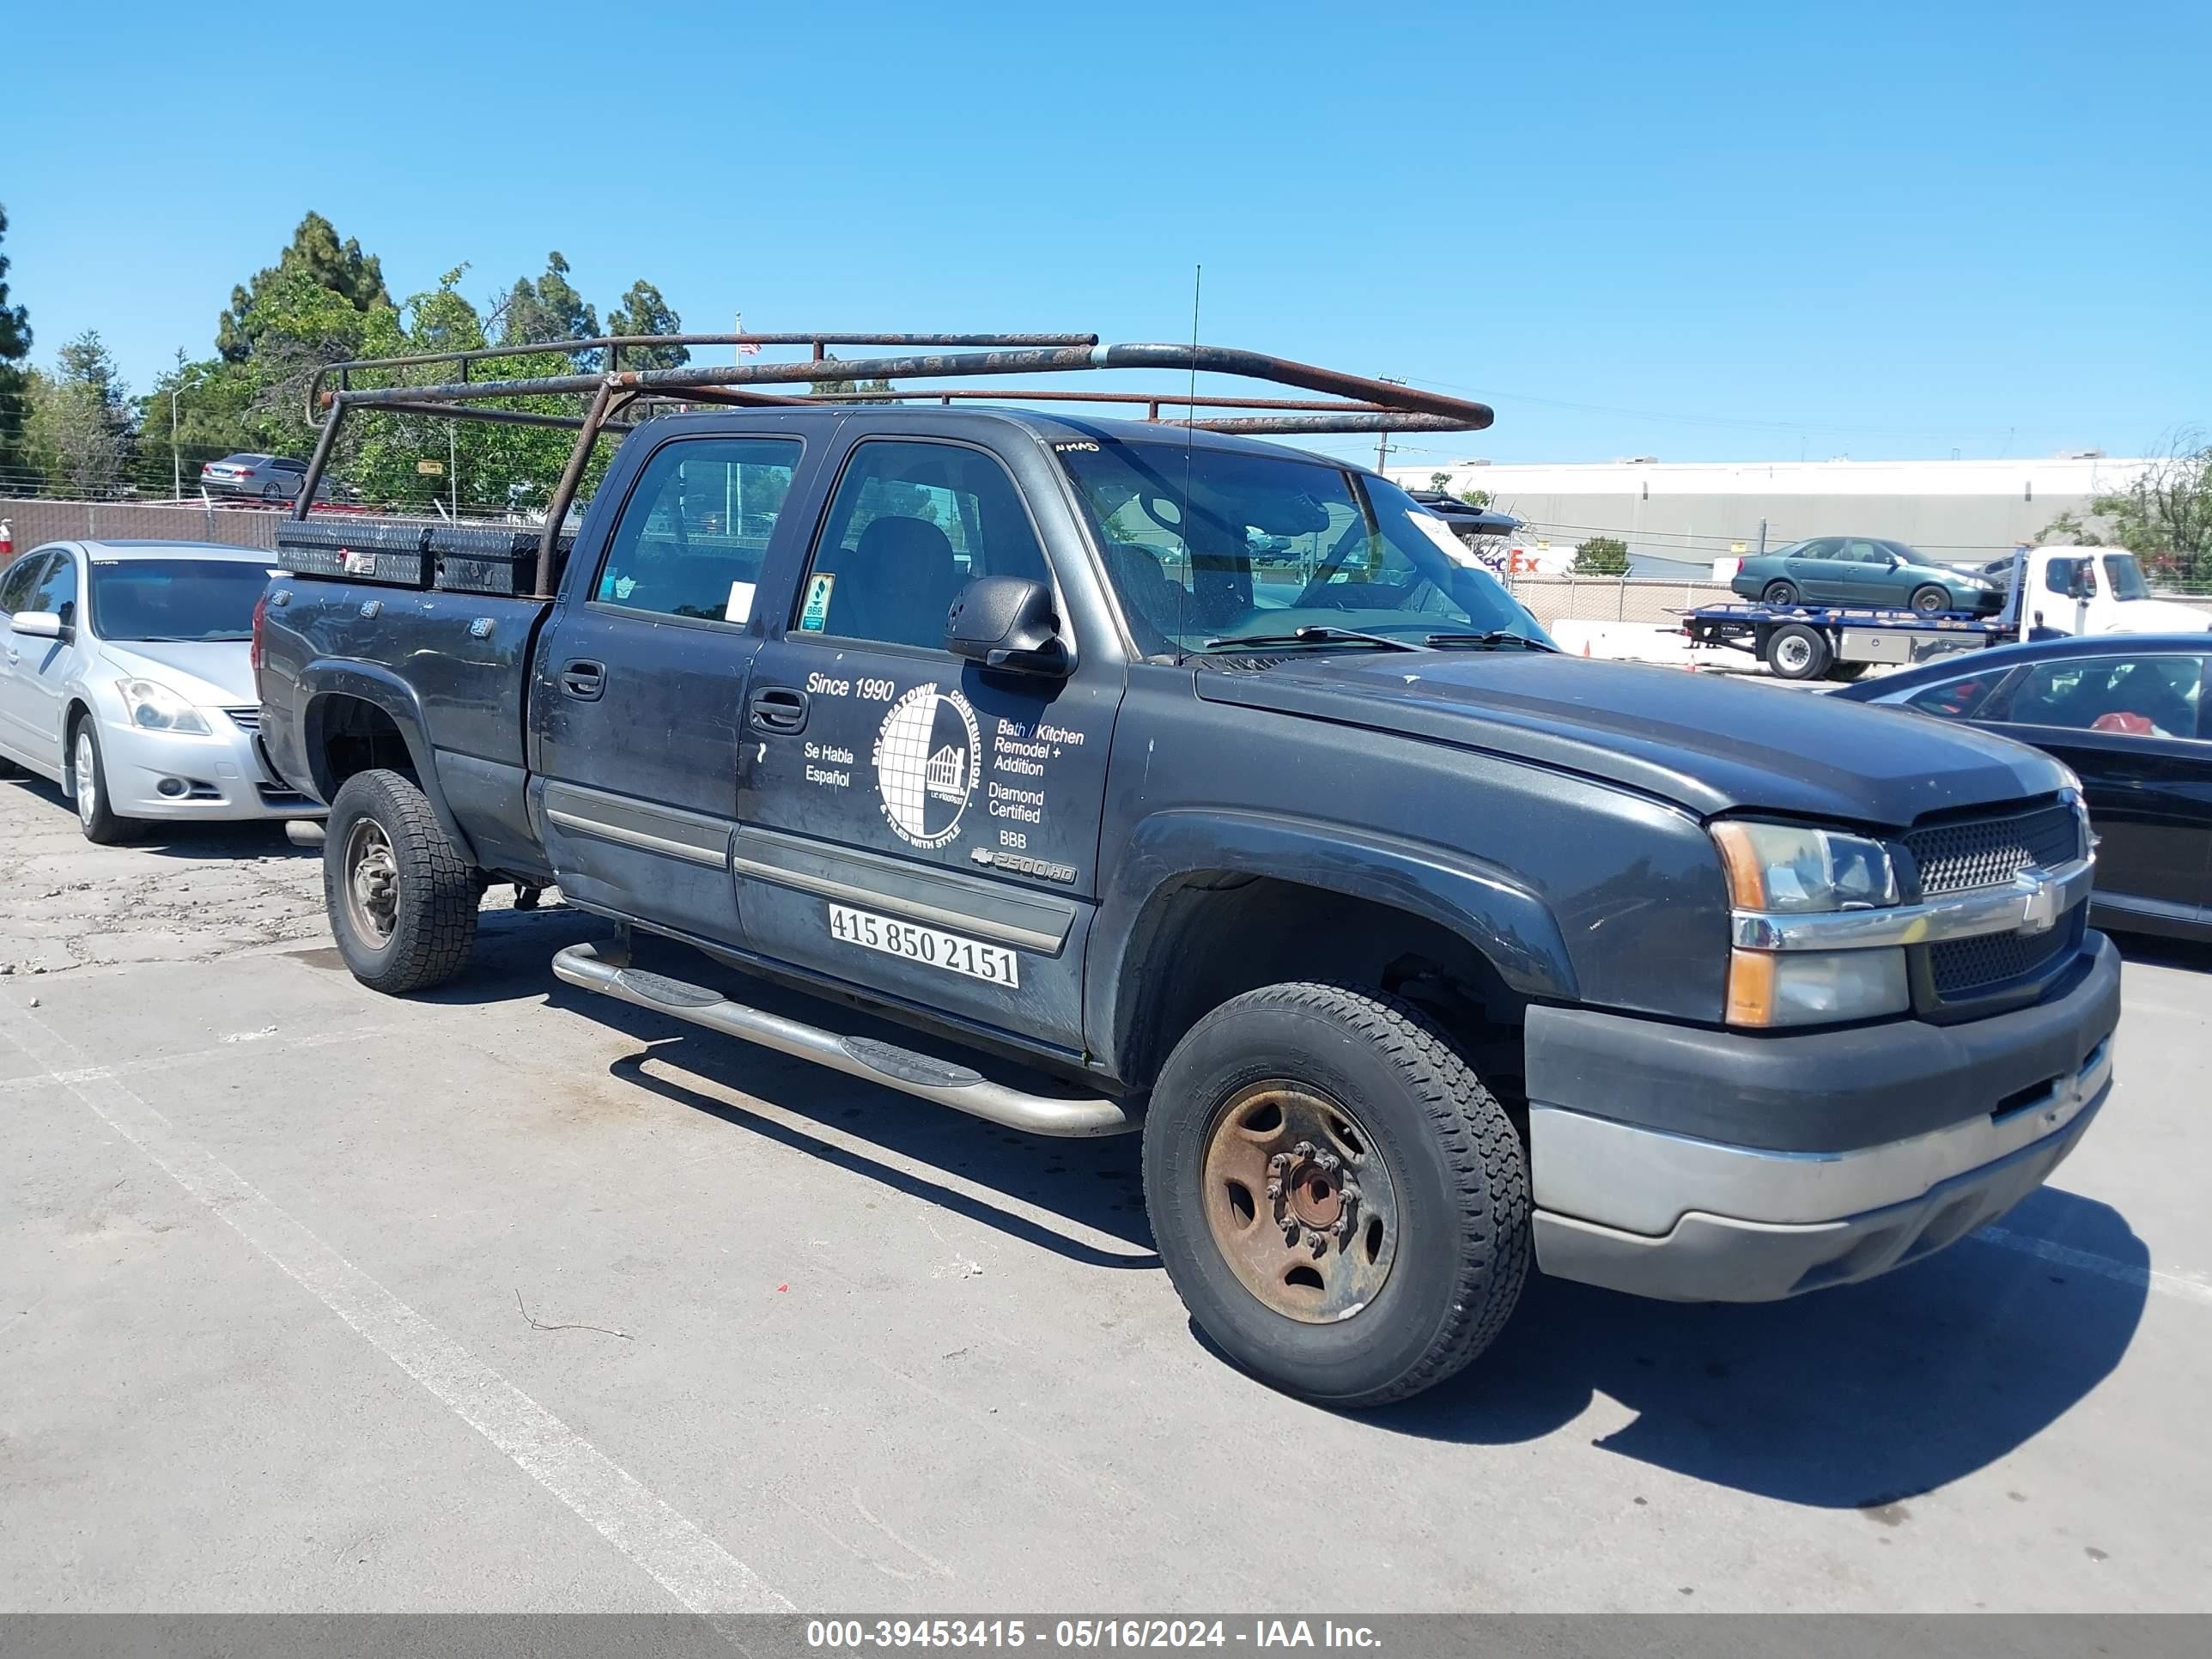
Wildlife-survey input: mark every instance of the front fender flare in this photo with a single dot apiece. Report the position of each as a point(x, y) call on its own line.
point(385, 690)
point(1499, 916)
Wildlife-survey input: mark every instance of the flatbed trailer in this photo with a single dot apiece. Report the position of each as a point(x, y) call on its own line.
point(1809, 642)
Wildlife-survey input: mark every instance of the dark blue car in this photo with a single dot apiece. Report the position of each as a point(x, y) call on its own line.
point(2131, 714)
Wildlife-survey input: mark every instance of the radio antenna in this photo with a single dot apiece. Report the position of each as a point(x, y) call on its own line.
point(1189, 443)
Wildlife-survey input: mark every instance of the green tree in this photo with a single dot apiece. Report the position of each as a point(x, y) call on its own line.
point(643, 311)
point(546, 310)
point(486, 467)
point(78, 426)
point(15, 384)
point(1441, 482)
point(822, 388)
point(1475, 497)
point(2166, 514)
point(1600, 555)
point(2067, 529)
point(314, 258)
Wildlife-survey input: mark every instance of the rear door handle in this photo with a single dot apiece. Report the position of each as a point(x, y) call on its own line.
point(584, 681)
point(780, 708)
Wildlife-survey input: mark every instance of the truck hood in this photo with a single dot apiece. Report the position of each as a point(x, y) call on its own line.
point(208, 674)
point(1706, 743)
point(2155, 616)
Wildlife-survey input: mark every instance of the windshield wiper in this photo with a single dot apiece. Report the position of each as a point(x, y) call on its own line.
point(1495, 636)
point(1312, 634)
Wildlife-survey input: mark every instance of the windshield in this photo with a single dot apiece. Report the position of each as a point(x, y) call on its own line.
point(193, 599)
point(1270, 545)
point(2125, 576)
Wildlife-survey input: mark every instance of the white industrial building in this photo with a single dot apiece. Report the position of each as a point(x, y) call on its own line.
point(1678, 517)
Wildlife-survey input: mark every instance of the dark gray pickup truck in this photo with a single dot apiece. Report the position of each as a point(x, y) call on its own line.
point(1165, 778)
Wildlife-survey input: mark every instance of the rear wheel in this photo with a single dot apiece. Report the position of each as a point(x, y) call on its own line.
point(1931, 601)
point(402, 902)
point(1341, 1205)
point(1797, 653)
point(1780, 593)
point(1847, 671)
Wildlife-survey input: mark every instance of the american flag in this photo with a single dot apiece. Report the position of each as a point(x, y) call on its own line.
point(750, 348)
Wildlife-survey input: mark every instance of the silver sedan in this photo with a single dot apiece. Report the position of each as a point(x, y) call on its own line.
point(126, 675)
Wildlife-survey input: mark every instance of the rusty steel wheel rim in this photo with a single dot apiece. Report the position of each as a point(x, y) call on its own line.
point(372, 875)
point(1298, 1202)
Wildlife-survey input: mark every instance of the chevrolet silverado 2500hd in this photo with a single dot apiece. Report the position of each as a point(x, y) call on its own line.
point(1214, 782)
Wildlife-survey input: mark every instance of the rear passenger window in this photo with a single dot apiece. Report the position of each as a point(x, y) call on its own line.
point(914, 523)
point(690, 541)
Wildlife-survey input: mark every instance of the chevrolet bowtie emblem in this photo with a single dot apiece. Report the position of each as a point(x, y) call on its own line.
point(2040, 910)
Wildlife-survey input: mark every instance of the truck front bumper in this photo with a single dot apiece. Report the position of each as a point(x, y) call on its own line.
point(1706, 1166)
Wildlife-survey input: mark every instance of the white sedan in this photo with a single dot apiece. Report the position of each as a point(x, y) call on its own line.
point(126, 675)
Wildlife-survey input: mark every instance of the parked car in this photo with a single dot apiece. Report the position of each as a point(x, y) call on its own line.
point(2131, 715)
point(1416, 948)
point(1859, 571)
point(269, 477)
point(126, 675)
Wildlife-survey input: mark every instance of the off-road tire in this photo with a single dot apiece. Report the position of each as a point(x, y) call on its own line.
point(1459, 1171)
point(1930, 600)
point(101, 825)
point(1795, 651)
point(437, 893)
point(1779, 593)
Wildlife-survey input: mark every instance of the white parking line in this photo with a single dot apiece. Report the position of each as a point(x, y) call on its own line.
point(2189, 1287)
point(679, 1557)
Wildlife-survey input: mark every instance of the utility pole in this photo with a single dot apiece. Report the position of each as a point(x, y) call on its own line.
point(176, 456)
point(454, 470)
point(1382, 439)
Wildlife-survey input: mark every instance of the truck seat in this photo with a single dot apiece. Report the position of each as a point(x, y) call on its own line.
point(895, 584)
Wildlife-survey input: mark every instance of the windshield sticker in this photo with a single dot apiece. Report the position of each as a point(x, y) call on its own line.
point(928, 758)
point(814, 615)
point(1440, 532)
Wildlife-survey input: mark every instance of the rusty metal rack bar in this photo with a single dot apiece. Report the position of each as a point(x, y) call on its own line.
point(1351, 403)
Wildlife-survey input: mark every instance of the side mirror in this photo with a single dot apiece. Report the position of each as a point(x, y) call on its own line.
point(1007, 623)
point(36, 624)
point(2082, 584)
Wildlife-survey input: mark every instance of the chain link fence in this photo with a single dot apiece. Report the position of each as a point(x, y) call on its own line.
point(33, 523)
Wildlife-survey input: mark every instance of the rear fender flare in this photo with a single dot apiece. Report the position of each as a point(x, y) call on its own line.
point(385, 690)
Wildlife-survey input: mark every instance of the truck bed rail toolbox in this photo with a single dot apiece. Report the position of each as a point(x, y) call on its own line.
point(1148, 777)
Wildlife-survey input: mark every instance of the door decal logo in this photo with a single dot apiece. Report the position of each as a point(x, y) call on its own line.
point(814, 614)
point(928, 757)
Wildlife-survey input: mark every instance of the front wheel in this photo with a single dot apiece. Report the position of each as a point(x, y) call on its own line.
point(88, 779)
point(1341, 1205)
point(1931, 601)
point(402, 903)
point(1780, 593)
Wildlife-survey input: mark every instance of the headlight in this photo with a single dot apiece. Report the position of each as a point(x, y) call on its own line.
point(1781, 869)
point(1784, 869)
point(154, 707)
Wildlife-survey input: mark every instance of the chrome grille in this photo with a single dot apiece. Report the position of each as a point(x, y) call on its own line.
point(245, 719)
point(1989, 851)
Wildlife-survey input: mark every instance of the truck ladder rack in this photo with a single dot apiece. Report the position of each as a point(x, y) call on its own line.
point(1348, 403)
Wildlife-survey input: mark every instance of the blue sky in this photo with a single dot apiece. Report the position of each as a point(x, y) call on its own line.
point(1713, 232)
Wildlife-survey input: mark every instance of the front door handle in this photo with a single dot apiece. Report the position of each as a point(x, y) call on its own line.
point(780, 708)
point(584, 681)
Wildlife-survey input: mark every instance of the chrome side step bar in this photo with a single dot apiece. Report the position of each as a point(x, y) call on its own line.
point(605, 969)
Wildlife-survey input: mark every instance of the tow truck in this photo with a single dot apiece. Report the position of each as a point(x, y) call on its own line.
point(2054, 590)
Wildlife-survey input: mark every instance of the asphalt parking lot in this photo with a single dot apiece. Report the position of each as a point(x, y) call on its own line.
point(516, 1299)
